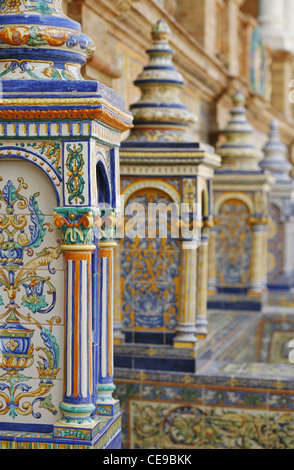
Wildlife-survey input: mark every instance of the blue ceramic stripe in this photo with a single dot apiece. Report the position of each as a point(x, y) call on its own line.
point(65, 327)
point(112, 155)
point(157, 105)
point(100, 316)
point(44, 54)
point(89, 308)
point(80, 264)
point(155, 80)
point(71, 287)
point(40, 20)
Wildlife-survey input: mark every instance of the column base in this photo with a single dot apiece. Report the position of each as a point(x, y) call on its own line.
point(202, 335)
point(107, 409)
point(106, 405)
point(77, 422)
point(185, 338)
point(184, 345)
point(70, 428)
point(108, 437)
point(259, 295)
point(201, 329)
point(119, 339)
point(118, 335)
point(211, 292)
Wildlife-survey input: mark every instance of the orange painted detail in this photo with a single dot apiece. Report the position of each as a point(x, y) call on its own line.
point(109, 315)
point(90, 331)
point(76, 331)
point(64, 329)
point(105, 252)
point(53, 114)
point(77, 256)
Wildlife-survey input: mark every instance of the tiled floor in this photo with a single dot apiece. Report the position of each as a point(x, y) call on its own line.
point(238, 398)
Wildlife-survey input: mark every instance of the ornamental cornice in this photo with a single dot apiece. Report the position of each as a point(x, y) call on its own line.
point(69, 109)
point(123, 5)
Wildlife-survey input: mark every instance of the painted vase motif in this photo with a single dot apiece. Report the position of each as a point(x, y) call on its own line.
point(16, 349)
point(20, 235)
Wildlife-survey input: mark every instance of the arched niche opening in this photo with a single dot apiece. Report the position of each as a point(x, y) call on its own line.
point(233, 244)
point(103, 186)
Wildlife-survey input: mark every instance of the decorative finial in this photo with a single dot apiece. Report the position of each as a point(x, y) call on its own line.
point(239, 152)
point(159, 115)
point(160, 31)
point(275, 155)
point(39, 42)
point(239, 99)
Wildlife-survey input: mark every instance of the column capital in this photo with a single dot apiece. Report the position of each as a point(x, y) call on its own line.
point(259, 221)
point(77, 226)
point(190, 244)
point(208, 223)
point(108, 221)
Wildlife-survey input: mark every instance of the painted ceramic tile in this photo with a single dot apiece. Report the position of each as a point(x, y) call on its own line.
point(30, 351)
point(233, 244)
point(76, 169)
point(150, 276)
point(276, 241)
point(234, 429)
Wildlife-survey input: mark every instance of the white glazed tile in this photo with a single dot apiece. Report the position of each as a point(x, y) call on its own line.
point(46, 417)
point(36, 180)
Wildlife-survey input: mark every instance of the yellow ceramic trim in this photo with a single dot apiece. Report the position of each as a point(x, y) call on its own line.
point(63, 101)
point(78, 247)
point(234, 195)
point(159, 185)
point(184, 345)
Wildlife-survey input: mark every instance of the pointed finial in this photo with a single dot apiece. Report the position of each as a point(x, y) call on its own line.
point(239, 152)
point(275, 155)
point(239, 99)
point(160, 31)
point(159, 115)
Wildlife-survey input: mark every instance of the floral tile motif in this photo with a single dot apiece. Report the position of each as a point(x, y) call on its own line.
point(170, 426)
point(235, 429)
point(30, 358)
point(159, 425)
point(164, 426)
point(281, 430)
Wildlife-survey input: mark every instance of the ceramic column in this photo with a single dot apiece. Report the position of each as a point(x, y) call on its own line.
point(272, 23)
point(265, 256)
point(106, 404)
point(257, 274)
point(289, 20)
point(77, 226)
point(118, 337)
point(202, 279)
point(212, 273)
point(288, 247)
point(186, 329)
